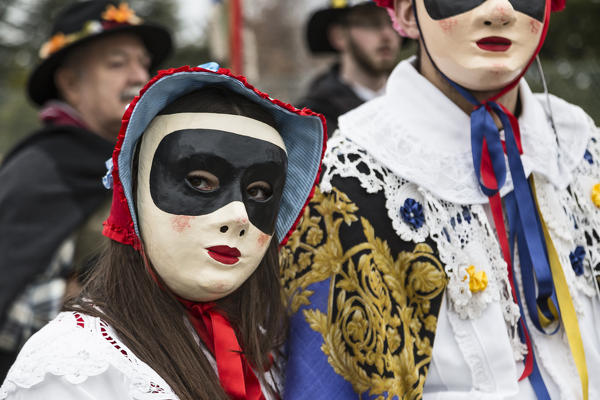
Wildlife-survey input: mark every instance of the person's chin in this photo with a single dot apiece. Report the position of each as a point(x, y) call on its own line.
point(205, 294)
point(220, 286)
point(487, 80)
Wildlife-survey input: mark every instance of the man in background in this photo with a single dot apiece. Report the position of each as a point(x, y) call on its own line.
point(367, 47)
point(52, 201)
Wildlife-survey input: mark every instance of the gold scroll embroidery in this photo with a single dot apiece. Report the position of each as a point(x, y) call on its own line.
point(376, 333)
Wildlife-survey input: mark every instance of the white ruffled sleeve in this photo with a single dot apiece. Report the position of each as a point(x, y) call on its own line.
point(77, 356)
point(110, 384)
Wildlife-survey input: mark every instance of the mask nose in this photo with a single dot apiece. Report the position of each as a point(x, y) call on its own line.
point(497, 13)
point(238, 222)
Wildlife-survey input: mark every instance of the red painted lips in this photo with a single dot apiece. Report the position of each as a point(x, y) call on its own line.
point(224, 254)
point(494, 43)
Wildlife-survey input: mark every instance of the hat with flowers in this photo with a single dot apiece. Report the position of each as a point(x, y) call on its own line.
point(82, 22)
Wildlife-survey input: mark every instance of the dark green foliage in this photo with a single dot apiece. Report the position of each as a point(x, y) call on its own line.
point(571, 56)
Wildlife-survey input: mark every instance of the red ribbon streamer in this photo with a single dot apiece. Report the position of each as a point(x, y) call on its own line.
point(489, 179)
point(214, 329)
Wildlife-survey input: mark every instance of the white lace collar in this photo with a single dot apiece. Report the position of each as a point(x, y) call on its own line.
point(422, 136)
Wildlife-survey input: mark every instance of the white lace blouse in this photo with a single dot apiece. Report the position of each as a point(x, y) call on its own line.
point(79, 357)
point(477, 352)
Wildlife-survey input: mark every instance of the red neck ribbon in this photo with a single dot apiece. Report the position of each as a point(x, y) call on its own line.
point(214, 329)
point(235, 373)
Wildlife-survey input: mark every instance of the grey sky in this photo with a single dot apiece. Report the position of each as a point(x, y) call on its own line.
point(193, 15)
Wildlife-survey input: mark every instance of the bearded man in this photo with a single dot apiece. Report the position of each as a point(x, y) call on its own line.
point(453, 249)
point(362, 37)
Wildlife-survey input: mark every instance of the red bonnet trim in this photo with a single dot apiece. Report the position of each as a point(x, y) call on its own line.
point(119, 225)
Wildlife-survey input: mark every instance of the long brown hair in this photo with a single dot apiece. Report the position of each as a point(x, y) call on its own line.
point(152, 322)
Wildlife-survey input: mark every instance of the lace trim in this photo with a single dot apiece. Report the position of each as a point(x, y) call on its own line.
point(447, 170)
point(464, 231)
point(483, 379)
point(77, 346)
point(570, 225)
point(584, 218)
point(462, 234)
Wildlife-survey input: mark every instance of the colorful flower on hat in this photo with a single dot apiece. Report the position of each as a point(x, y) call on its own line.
point(596, 195)
point(56, 42)
point(478, 280)
point(122, 15)
point(577, 257)
point(113, 15)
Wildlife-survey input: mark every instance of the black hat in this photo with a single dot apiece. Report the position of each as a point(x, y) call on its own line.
point(83, 22)
point(321, 20)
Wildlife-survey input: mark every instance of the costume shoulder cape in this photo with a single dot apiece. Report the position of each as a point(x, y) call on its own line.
point(364, 302)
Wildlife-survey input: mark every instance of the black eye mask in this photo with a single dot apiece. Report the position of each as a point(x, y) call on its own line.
point(442, 9)
point(235, 159)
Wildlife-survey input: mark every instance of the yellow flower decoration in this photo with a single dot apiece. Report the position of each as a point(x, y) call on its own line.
point(478, 281)
point(121, 15)
point(596, 195)
point(56, 42)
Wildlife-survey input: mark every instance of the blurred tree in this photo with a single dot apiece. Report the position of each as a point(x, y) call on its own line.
point(574, 32)
point(191, 55)
point(571, 56)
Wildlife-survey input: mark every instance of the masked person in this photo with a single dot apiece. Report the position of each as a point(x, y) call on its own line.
point(361, 36)
point(52, 201)
point(209, 177)
point(452, 249)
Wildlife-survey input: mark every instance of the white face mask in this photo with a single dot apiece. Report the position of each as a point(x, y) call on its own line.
point(485, 47)
point(208, 192)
